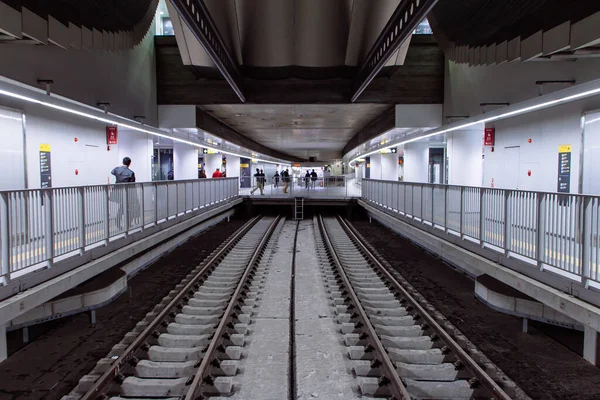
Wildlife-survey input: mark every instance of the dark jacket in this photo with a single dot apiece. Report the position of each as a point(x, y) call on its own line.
point(123, 174)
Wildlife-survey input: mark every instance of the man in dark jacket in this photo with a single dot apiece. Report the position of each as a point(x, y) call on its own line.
point(258, 177)
point(285, 176)
point(122, 173)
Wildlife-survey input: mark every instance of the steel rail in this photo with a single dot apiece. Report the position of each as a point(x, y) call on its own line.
point(194, 390)
point(106, 379)
point(494, 389)
point(397, 388)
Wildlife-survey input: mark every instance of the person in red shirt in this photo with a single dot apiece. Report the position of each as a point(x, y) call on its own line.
point(217, 173)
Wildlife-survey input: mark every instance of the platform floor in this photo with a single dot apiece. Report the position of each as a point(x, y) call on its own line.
point(350, 190)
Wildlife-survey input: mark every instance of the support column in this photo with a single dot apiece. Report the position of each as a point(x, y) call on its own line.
point(389, 167)
point(213, 161)
point(416, 162)
point(3, 347)
point(590, 345)
point(185, 161)
point(376, 167)
point(465, 149)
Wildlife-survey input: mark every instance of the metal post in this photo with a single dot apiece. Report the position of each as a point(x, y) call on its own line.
point(81, 191)
point(540, 234)
point(525, 325)
point(433, 206)
point(4, 239)
point(126, 216)
point(422, 214)
point(506, 223)
point(460, 229)
point(176, 184)
point(107, 222)
point(143, 207)
point(481, 215)
point(586, 239)
point(446, 208)
point(155, 186)
point(49, 215)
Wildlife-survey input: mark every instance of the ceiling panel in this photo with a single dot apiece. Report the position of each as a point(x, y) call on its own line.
point(302, 130)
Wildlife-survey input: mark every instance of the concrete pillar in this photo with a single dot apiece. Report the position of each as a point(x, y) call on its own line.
point(233, 166)
point(416, 162)
point(389, 167)
point(375, 162)
point(590, 345)
point(185, 161)
point(213, 161)
point(465, 157)
point(3, 347)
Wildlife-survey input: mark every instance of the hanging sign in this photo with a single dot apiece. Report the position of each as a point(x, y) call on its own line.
point(489, 138)
point(45, 166)
point(111, 135)
point(564, 169)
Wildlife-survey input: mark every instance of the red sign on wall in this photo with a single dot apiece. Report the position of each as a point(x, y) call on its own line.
point(111, 135)
point(489, 138)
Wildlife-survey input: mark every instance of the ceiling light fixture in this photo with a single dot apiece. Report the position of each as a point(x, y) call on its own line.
point(495, 115)
point(117, 120)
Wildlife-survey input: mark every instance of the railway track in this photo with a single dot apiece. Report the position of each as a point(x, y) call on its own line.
point(188, 346)
point(401, 351)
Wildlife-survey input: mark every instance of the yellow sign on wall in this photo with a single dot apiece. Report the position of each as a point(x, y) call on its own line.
point(44, 147)
point(244, 165)
point(564, 148)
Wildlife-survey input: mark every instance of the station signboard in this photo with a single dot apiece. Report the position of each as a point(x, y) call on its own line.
point(489, 137)
point(111, 135)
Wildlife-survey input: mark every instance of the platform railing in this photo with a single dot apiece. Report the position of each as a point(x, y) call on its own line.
point(552, 231)
point(39, 227)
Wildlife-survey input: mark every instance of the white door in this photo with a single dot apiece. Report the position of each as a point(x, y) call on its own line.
point(510, 173)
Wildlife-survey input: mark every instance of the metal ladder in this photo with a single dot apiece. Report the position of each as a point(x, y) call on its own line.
point(298, 208)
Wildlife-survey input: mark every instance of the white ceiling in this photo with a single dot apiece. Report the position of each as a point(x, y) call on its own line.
point(301, 130)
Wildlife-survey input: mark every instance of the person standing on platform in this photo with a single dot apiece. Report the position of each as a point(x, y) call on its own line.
point(276, 179)
point(258, 182)
point(285, 175)
point(202, 174)
point(313, 178)
point(217, 173)
point(306, 179)
point(123, 174)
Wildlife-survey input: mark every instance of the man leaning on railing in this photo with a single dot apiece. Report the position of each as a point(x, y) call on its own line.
point(125, 175)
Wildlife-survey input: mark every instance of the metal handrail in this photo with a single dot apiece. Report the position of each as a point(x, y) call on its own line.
point(39, 226)
point(442, 185)
point(559, 232)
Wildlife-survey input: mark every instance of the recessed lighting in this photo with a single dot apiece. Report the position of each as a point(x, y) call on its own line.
point(162, 13)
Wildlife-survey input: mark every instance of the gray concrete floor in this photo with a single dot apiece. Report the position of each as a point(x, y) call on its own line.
point(323, 369)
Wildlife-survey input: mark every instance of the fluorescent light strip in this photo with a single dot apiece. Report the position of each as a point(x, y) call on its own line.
point(124, 125)
point(440, 131)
